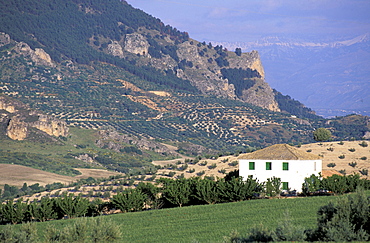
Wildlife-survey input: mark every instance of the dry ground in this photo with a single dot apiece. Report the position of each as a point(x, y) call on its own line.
point(330, 152)
point(16, 175)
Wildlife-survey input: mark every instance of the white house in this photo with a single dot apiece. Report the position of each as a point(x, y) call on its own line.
point(289, 164)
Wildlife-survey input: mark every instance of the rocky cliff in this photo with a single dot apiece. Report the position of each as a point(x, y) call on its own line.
point(18, 121)
point(200, 63)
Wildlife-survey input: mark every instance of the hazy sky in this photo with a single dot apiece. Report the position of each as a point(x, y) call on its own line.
point(248, 20)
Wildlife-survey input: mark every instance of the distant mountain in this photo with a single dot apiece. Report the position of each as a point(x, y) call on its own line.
point(331, 77)
point(103, 65)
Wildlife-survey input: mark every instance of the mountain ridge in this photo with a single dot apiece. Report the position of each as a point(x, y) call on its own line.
point(146, 80)
point(332, 73)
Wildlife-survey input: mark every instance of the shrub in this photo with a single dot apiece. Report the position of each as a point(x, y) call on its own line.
point(341, 156)
point(234, 163)
point(105, 230)
point(364, 172)
point(192, 170)
point(344, 221)
point(331, 149)
point(341, 143)
point(212, 166)
point(309, 150)
point(171, 174)
point(183, 167)
point(222, 171)
point(331, 165)
point(363, 144)
point(352, 150)
point(353, 164)
point(26, 233)
point(204, 163)
point(364, 158)
point(200, 173)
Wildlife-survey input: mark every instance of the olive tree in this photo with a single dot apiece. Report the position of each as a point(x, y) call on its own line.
point(321, 134)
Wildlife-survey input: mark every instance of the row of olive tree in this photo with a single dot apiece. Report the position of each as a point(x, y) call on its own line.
point(47, 208)
point(335, 183)
point(184, 192)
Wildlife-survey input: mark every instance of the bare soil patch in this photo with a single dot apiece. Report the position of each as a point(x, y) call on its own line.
point(341, 154)
point(16, 175)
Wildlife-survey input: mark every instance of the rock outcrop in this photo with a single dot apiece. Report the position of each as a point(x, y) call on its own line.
point(39, 56)
point(136, 43)
point(19, 120)
point(113, 140)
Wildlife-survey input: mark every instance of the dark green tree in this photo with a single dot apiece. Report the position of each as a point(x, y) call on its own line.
point(43, 210)
point(71, 207)
point(238, 190)
point(14, 213)
point(152, 195)
point(176, 192)
point(206, 191)
point(273, 186)
point(130, 200)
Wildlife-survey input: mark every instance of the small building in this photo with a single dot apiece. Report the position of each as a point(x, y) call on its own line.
point(288, 163)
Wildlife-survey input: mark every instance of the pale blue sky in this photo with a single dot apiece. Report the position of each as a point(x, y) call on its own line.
point(248, 20)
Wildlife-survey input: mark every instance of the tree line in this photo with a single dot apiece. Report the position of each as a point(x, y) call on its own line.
point(168, 193)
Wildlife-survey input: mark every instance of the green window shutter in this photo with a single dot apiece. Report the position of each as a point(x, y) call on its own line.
point(285, 166)
point(285, 185)
point(268, 166)
point(251, 165)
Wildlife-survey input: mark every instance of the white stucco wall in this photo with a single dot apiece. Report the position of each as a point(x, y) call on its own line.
point(297, 171)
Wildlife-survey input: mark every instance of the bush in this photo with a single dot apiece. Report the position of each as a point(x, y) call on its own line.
point(212, 166)
point(364, 172)
point(353, 164)
point(344, 221)
point(352, 150)
point(222, 171)
point(26, 233)
point(234, 163)
point(341, 156)
point(191, 170)
point(102, 230)
point(363, 144)
point(200, 173)
point(331, 165)
point(204, 163)
point(364, 158)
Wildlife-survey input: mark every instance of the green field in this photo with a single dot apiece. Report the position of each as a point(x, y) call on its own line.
point(208, 223)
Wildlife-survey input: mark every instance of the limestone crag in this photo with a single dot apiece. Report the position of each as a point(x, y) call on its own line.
point(115, 49)
point(51, 126)
point(136, 43)
point(18, 119)
point(261, 94)
point(39, 56)
point(17, 129)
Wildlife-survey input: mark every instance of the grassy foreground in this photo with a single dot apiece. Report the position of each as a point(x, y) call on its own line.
point(208, 223)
